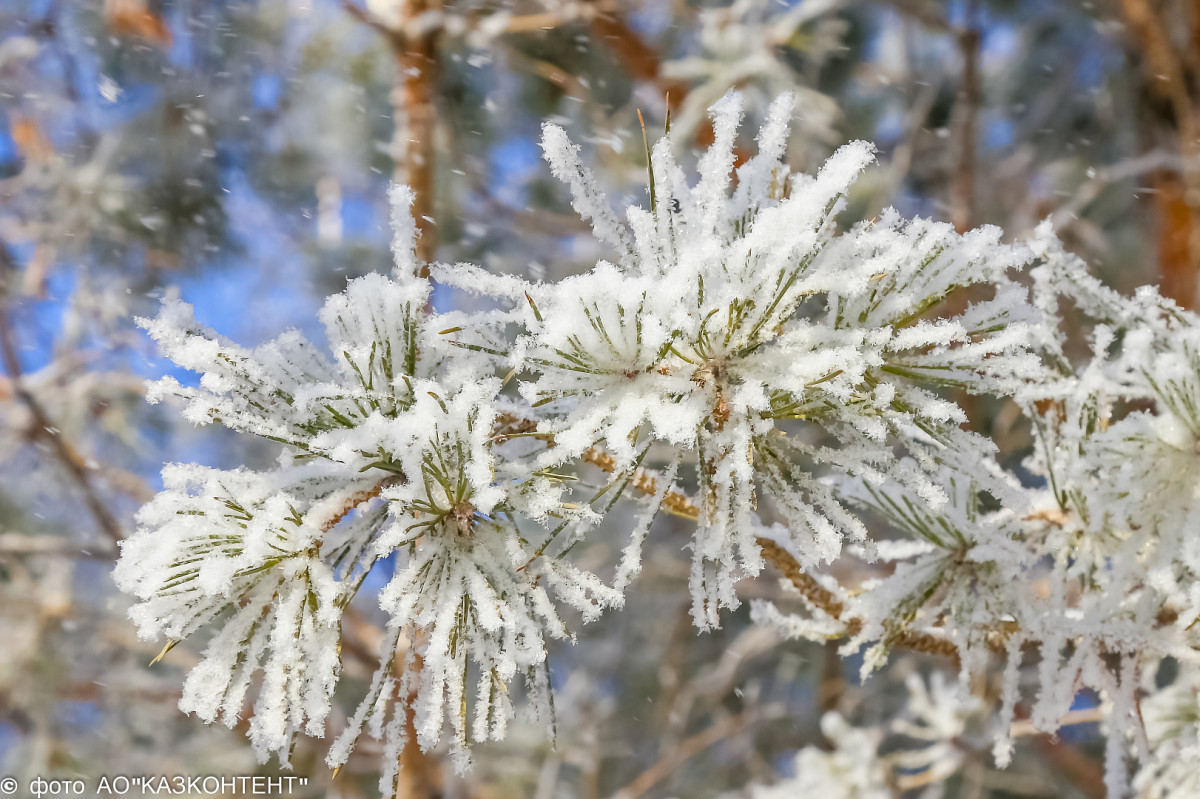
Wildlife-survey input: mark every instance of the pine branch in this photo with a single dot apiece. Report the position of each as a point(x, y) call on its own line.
point(645, 482)
point(358, 498)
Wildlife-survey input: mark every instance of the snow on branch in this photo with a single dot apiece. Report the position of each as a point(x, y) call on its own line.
point(806, 373)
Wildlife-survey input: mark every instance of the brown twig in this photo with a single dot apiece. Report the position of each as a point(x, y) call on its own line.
point(1088, 715)
point(966, 107)
point(362, 15)
point(1168, 77)
point(645, 482)
point(690, 747)
point(413, 103)
point(1083, 771)
point(962, 205)
point(414, 47)
point(420, 774)
point(549, 72)
point(824, 599)
point(122, 480)
point(820, 596)
point(45, 430)
point(19, 545)
point(354, 500)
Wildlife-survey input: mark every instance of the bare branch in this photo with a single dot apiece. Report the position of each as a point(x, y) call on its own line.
point(44, 429)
